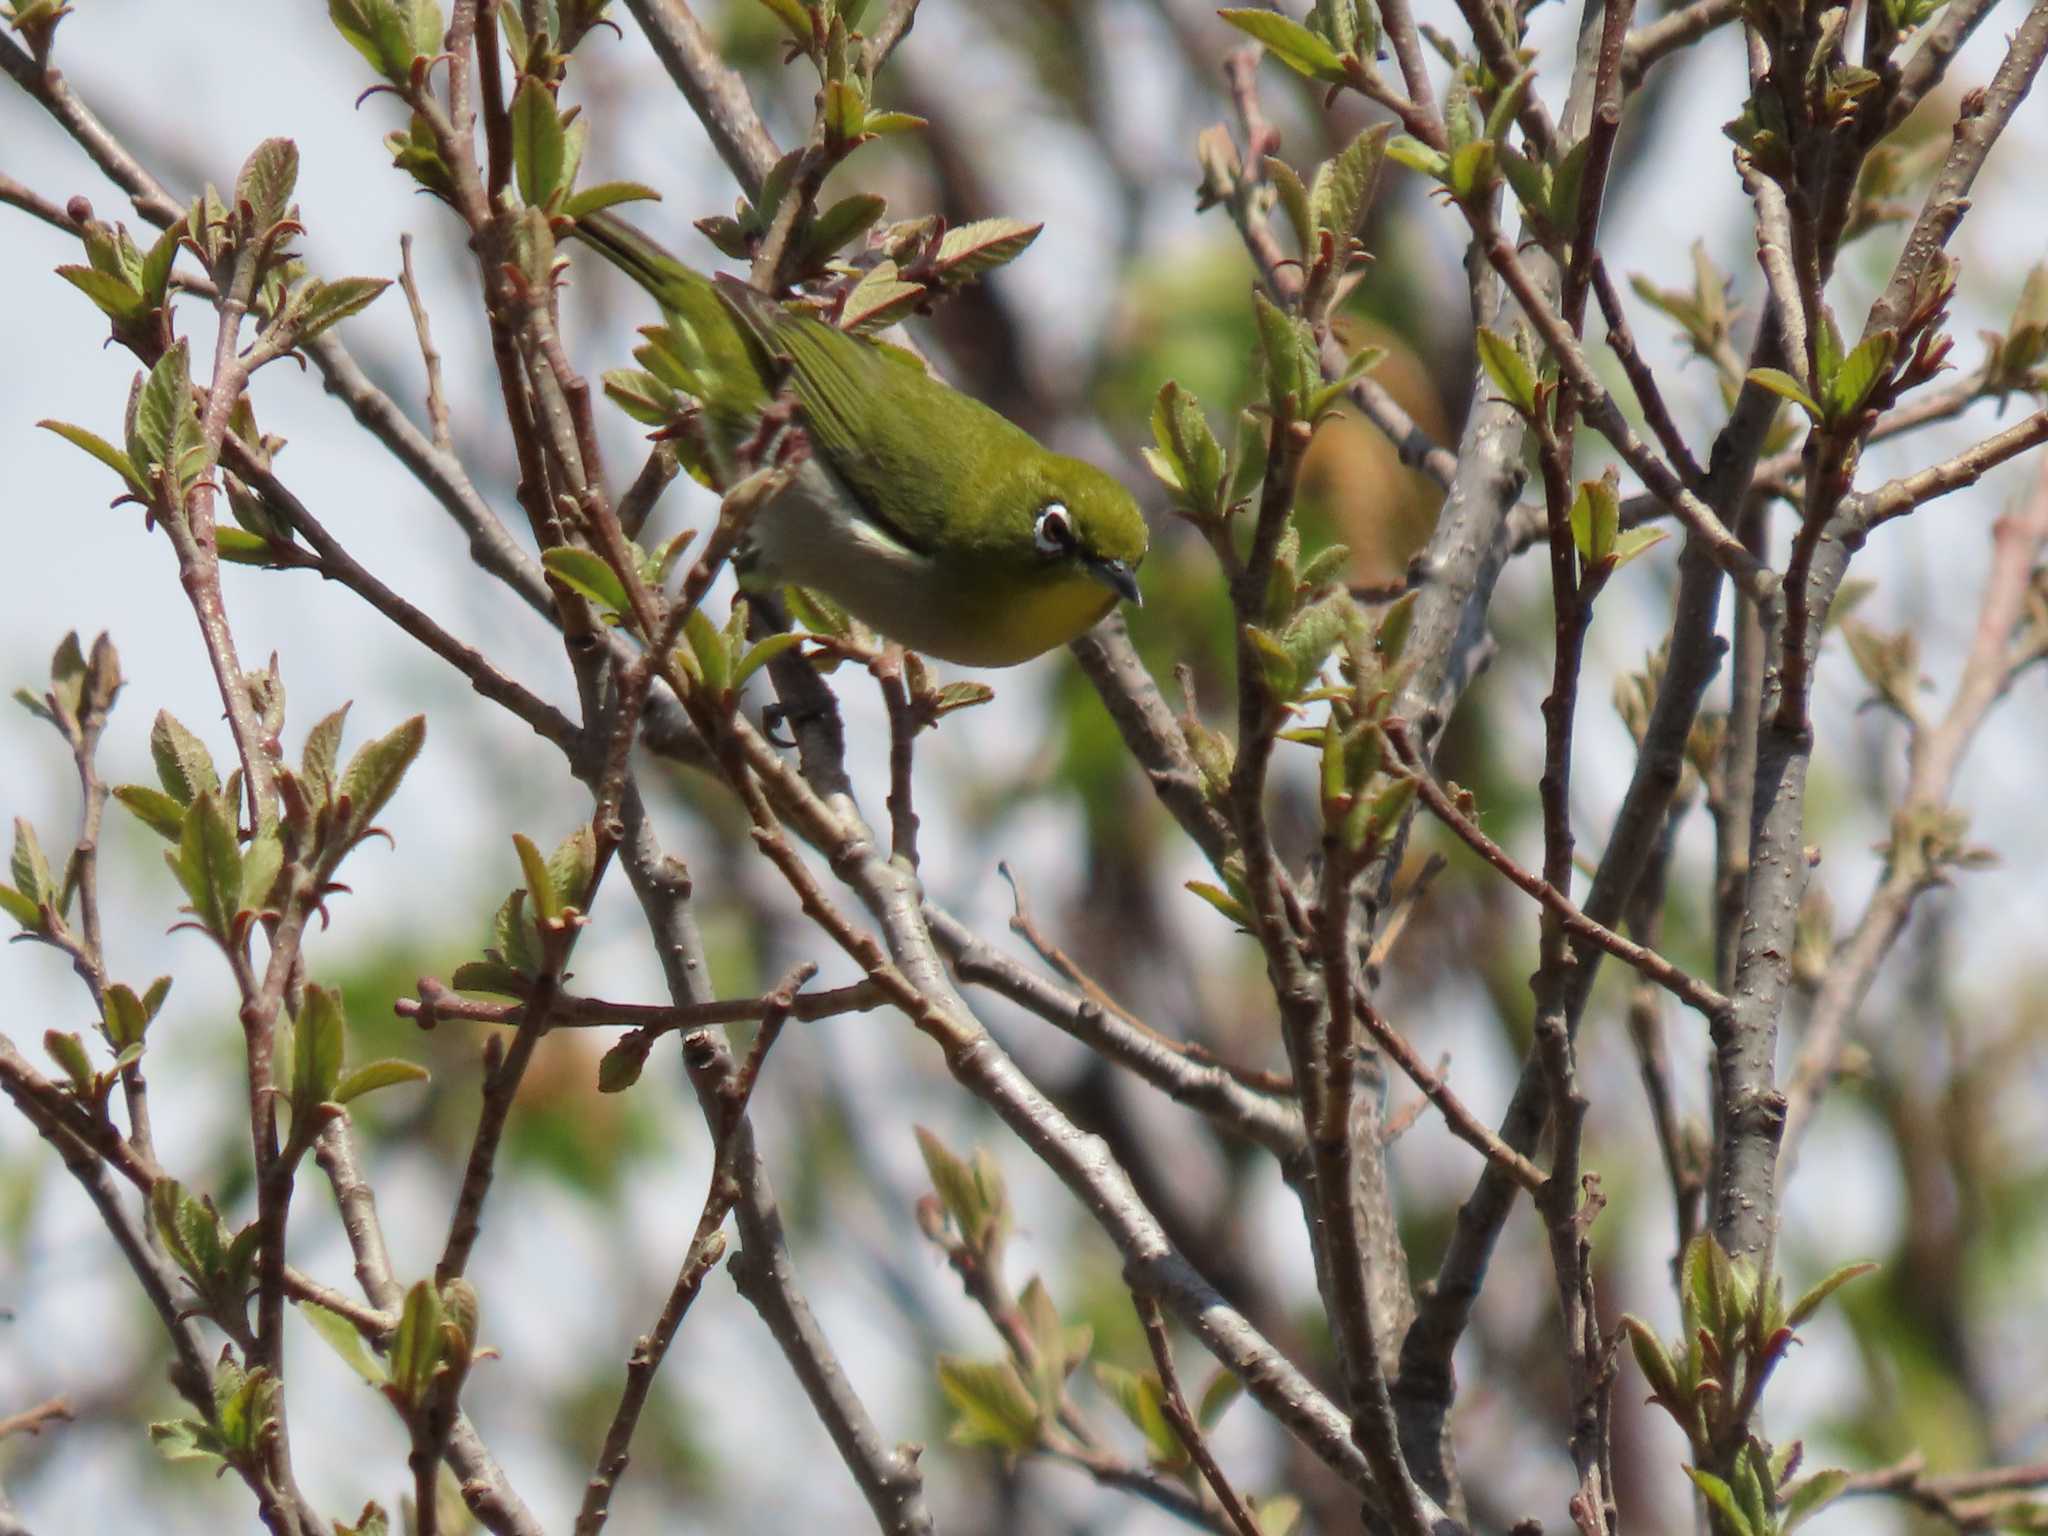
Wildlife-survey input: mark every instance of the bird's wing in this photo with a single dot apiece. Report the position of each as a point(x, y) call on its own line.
point(896, 437)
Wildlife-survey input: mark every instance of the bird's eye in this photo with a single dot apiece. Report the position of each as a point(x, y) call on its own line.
point(1053, 532)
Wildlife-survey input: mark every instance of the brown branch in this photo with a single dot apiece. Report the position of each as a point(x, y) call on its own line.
point(32, 1421)
point(437, 401)
point(436, 1003)
point(715, 92)
point(707, 1246)
point(1462, 1123)
point(1895, 498)
point(1175, 1405)
point(1687, 988)
point(1934, 755)
point(1659, 39)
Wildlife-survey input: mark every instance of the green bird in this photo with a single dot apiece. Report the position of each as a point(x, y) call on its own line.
point(920, 511)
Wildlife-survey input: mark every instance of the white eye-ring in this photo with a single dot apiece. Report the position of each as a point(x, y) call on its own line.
point(1053, 532)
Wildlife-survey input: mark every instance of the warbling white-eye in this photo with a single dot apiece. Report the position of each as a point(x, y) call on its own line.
point(920, 511)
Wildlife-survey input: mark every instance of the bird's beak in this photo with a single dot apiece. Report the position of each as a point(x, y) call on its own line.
point(1118, 576)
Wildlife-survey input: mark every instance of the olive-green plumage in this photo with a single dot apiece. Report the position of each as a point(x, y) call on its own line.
point(921, 511)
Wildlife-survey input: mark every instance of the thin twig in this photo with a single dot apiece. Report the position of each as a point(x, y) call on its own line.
point(1175, 1404)
point(1682, 985)
point(437, 402)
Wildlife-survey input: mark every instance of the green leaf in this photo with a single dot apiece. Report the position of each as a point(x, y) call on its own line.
point(183, 764)
point(1222, 901)
point(539, 149)
point(318, 757)
point(879, 299)
point(261, 862)
point(372, 1075)
point(68, 1051)
point(879, 124)
point(21, 909)
point(1223, 1389)
point(1289, 42)
point(326, 304)
point(113, 295)
point(1507, 370)
point(374, 773)
point(102, 450)
point(1184, 438)
point(587, 572)
point(572, 865)
point(1471, 169)
point(995, 1408)
point(1652, 1360)
point(155, 280)
point(1143, 1401)
point(31, 871)
point(1859, 373)
point(1811, 1495)
point(982, 246)
point(762, 652)
point(708, 649)
point(318, 1040)
point(341, 1336)
point(1721, 1499)
point(208, 863)
point(1595, 520)
point(620, 1067)
point(608, 194)
point(488, 976)
point(1292, 366)
point(1418, 156)
point(844, 221)
point(153, 808)
point(1294, 201)
point(845, 109)
point(418, 1346)
point(267, 180)
point(126, 1016)
point(1343, 187)
point(1635, 542)
point(164, 400)
point(540, 885)
point(1781, 383)
point(1811, 1302)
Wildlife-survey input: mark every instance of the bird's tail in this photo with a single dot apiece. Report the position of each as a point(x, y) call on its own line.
point(672, 283)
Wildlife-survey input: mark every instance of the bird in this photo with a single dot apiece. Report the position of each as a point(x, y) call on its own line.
point(922, 512)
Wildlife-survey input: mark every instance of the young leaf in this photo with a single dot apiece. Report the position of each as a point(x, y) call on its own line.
point(102, 450)
point(539, 148)
point(318, 1040)
point(1507, 369)
point(374, 773)
point(183, 764)
point(1811, 1302)
point(588, 573)
point(267, 180)
point(373, 1075)
point(208, 863)
point(1781, 383)
point(1721, 1498)
point(982, 246)
point(1289, 42)
point(342, 1338)
point(1343, 186)
point(153, 808)
point(326, 304)
point(996, 1409)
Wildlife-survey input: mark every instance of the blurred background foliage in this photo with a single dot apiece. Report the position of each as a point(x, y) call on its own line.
point(1930, 1159)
